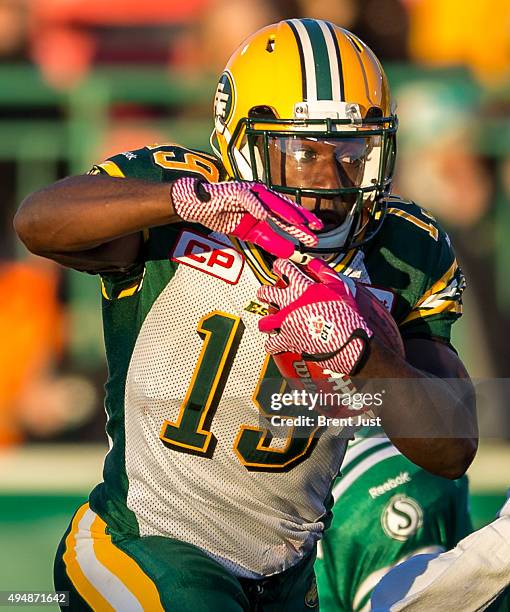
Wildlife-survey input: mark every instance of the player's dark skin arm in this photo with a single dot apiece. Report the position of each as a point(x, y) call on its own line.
point(418, 410)
point(93, 222)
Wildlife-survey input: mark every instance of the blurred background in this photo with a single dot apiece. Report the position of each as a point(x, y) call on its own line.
point(83, 79)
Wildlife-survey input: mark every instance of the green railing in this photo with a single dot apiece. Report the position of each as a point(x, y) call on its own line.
point(40, 148)
point(37, 145)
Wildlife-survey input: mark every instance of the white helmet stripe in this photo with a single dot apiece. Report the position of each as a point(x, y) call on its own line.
point(335, 69)
point(306, 46)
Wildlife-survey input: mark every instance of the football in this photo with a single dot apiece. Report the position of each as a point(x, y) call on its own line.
point(312, 377)
point(378, 318)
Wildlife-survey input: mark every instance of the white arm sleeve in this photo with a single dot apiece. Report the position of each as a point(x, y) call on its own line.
point(468, 577)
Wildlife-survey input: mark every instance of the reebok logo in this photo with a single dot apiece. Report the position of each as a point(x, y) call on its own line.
point(389, 484)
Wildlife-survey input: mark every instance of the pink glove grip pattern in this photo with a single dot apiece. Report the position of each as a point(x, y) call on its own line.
point(243, 209)
point(320, 320)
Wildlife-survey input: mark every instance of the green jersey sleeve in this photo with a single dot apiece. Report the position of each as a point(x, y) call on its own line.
point(162, 163)
point(439, 304)
point(157, 163)
point(413, 256)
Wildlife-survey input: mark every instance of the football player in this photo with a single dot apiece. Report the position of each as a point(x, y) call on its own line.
point(405, 509)
point(201, 508)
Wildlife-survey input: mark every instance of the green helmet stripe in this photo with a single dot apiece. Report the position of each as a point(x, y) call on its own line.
point(321, 59)
point(306, 57)
point(321, 64)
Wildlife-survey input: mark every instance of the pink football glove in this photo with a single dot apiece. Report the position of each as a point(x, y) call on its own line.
point(317, 317)
point(243, 209)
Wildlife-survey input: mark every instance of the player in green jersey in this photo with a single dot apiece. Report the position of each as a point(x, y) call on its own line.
point(406, 511)
point(474, 575)
point(201, 507)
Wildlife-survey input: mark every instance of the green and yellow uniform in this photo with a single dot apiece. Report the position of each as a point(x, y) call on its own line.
point(191, 466)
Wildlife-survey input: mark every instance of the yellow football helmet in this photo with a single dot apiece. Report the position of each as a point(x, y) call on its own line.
point(299, 92)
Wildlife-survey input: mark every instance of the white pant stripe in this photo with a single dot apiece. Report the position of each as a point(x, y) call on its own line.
point(106, 583)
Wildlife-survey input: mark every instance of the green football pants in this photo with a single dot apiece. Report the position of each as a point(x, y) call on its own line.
point(109, 572)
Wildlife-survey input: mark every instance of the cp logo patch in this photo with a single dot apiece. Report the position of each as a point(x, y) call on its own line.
point(320, 329)
point(208, 255)
point(401, 517)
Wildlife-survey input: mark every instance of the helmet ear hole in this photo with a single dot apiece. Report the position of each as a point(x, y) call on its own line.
point(374, 113)
point(261, 112)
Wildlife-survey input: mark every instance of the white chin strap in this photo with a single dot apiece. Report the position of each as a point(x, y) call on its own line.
point(337, 237)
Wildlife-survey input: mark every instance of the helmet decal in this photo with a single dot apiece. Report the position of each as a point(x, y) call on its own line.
point(321, 66)
point(224, 100)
